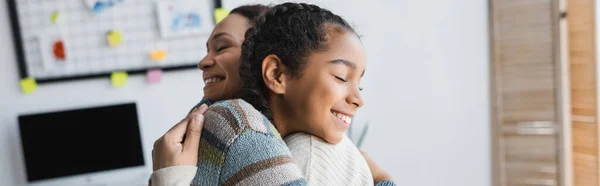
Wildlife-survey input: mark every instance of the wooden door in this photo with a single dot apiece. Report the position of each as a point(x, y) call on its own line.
point(584, 100)
point(526, 92)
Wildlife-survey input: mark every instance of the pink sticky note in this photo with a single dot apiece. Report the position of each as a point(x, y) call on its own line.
point(154, 76)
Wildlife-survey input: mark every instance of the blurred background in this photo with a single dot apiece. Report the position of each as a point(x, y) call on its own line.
point(458, 93)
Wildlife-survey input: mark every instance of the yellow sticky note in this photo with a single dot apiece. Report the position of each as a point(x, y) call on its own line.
point(220, 14)
point(118, 79)
point(28, 85)
point(157, 55)
point(54, 17)
point(115, 38)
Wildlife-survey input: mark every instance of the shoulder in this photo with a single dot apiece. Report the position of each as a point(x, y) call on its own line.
point(323, 163)
point(226, 120)
point(240, 113)
point(302, 145)
point(254, 153)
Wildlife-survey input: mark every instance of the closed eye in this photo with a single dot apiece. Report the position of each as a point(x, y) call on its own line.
point(222, 48)
point(341, 79)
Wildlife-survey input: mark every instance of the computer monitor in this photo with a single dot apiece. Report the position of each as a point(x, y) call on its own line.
point(73, 144)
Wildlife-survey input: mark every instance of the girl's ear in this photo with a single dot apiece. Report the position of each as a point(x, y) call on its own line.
point(274, 74)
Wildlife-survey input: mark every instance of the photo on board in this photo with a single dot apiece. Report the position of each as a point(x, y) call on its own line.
point(183, 18)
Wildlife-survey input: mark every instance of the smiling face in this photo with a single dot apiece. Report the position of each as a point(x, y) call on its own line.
point(324, 96)
point(220, 66)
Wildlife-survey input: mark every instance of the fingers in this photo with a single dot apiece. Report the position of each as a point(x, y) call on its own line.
point(190, 113)
point(202, 109)
point(194, 111)
point(188, 116)
point(194, 130)
point(177, 132)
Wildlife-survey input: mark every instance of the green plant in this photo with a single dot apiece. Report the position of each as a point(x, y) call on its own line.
point(358, 140)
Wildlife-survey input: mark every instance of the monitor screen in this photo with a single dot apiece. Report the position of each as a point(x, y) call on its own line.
point(80, 141)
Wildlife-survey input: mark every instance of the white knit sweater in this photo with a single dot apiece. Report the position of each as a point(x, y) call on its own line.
point(323, 163)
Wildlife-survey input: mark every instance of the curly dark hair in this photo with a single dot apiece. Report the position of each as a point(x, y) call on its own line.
point(251, 12)
point(291, 31)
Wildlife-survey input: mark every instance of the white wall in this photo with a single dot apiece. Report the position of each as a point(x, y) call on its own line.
point(426, 89)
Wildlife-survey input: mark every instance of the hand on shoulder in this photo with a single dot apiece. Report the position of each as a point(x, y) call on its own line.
point(378, 173)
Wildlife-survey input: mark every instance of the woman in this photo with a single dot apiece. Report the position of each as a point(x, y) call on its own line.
point(218, 81)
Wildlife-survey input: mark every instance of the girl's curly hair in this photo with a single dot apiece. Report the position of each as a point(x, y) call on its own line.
point(291, 31)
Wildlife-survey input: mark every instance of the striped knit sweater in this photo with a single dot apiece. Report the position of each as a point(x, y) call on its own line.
point(239, 146)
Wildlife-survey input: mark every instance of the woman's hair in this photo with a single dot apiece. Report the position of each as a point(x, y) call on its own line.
point(251, 12)
point(292, 32)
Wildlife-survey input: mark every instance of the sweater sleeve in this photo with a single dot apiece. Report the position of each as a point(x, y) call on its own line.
point(386, 183)
point(239, 146)
point(180, 175)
